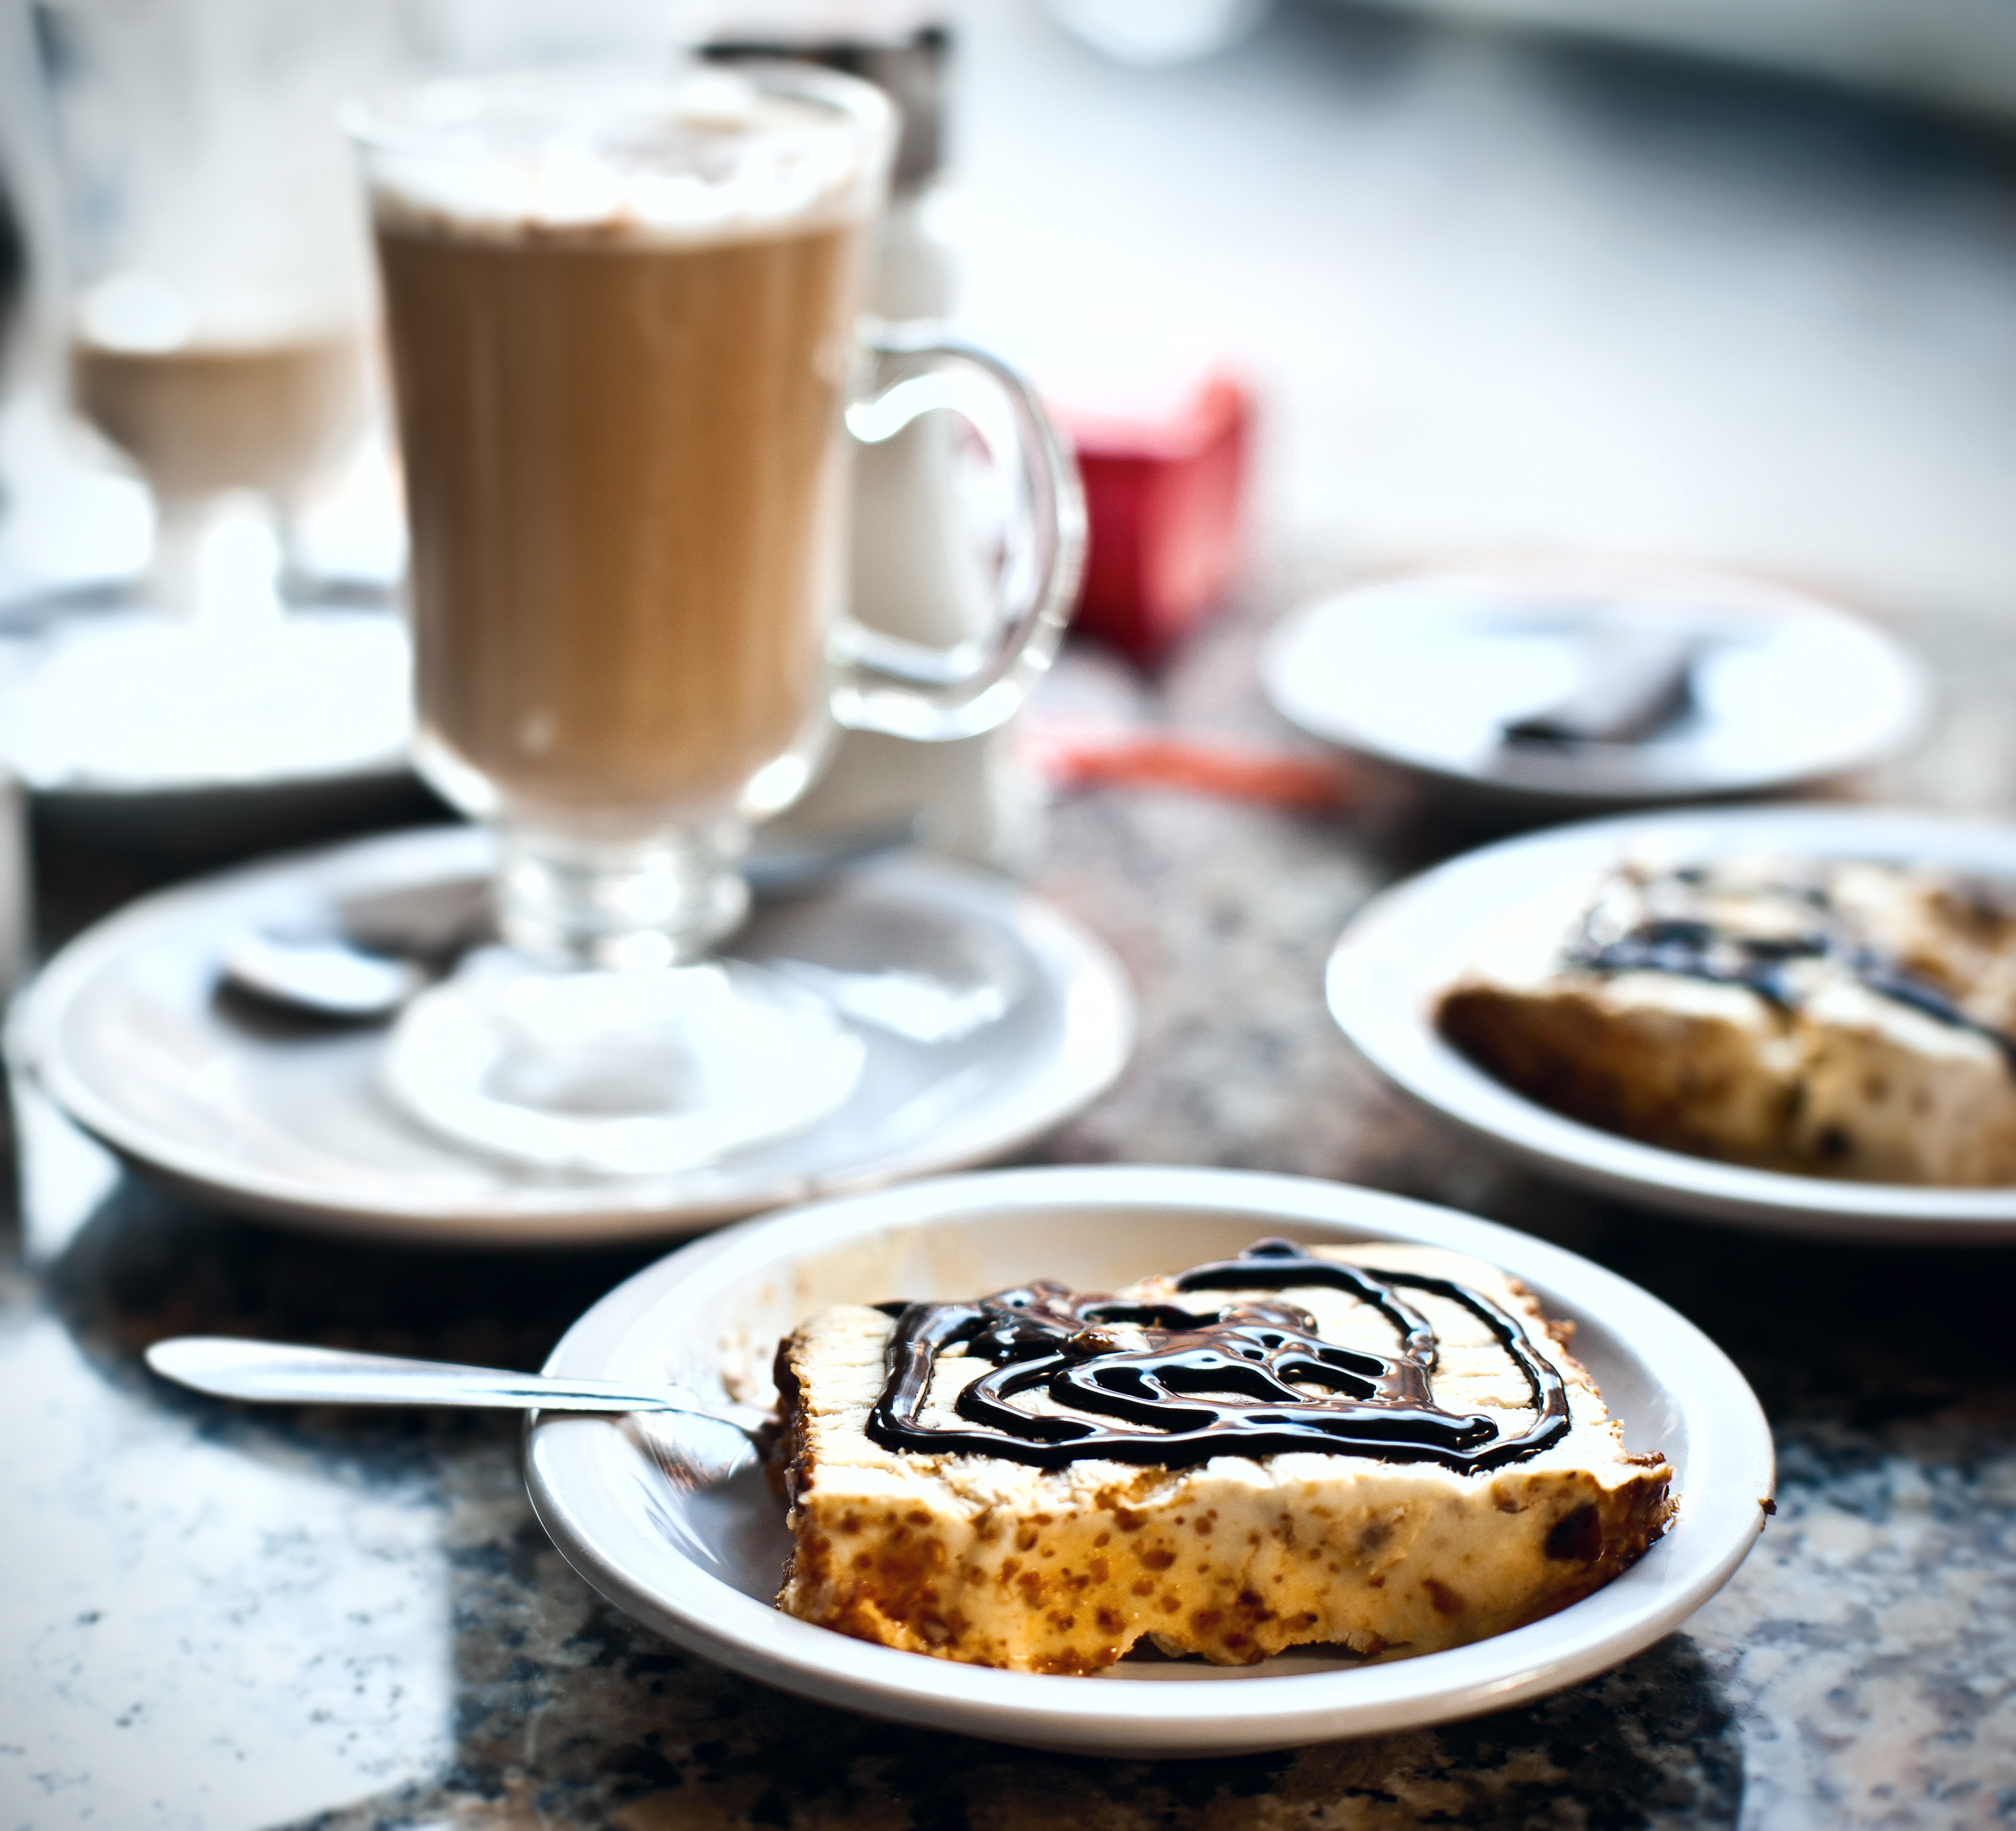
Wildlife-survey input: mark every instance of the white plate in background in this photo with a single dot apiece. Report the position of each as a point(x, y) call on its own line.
point(1407, 946)
point(1420, 671)
point(989, 1016)
point(702, 1569)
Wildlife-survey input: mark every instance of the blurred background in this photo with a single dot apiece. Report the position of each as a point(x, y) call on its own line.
point(1728, 281)
point(1511, 287)
point(1730, 284)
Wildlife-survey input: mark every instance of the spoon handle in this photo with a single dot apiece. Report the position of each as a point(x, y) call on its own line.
point(1634, 683)
point(272, 1372)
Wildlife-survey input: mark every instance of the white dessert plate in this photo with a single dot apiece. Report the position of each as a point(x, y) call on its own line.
point(1423, 670)
point(702, 1567)
point(1407, 946)
point(988, 1018)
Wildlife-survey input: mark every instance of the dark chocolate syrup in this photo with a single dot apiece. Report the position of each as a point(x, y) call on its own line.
point(1174, 1401)
point(1698, 949)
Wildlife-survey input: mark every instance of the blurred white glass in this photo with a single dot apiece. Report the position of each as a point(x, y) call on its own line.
point(924, 515)
point(211, 308)
point(216, 264)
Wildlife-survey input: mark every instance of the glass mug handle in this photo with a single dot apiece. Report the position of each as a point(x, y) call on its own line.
point(910, 689)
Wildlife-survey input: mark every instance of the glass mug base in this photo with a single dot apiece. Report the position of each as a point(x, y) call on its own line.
point(581, 904)
point(619, 1073)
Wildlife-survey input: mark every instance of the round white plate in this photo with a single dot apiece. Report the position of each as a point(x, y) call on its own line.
point(107, 704)
point(1422, 671)
point(1407, 946)
point(988, 1019)
point(197, 745)
point(704, 1567)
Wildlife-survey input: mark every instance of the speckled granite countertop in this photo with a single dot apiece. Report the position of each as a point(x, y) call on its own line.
point(212, 1618)
point(1533, 317)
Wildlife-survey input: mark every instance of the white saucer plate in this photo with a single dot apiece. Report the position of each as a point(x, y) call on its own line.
point(1422, 671)
point(179, 742)
point(702, 1567)
point(1406, 947)
point(988, 1019)
point(111, 703)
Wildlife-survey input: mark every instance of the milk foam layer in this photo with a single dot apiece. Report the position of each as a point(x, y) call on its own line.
point(604, 158)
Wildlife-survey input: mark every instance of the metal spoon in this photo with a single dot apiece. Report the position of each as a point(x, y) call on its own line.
point(1633, 683)
point(323, 975)
point(275, 1373)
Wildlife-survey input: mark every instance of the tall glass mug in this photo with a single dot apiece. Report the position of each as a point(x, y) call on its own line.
point(622, 315)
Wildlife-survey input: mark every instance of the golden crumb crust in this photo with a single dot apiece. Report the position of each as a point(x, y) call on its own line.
point(1845, 1079)
point(976, 1559)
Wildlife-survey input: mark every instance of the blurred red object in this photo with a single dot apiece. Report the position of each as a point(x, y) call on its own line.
point(1166, 493)
point(1069, 756)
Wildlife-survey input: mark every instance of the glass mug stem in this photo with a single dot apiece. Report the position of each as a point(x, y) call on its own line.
point(568, 902)
point(219, 560)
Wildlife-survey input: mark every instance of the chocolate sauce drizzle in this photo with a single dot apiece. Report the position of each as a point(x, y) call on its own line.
point(1173, 1400)
point(1694, 949)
